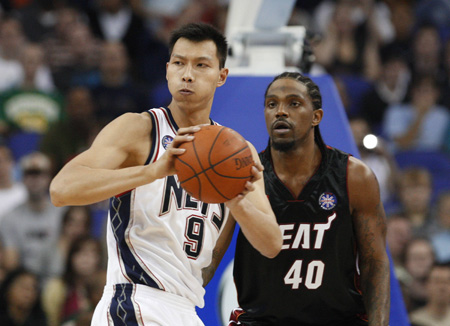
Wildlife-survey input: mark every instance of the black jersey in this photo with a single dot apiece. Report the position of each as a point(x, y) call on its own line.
point(314, 279)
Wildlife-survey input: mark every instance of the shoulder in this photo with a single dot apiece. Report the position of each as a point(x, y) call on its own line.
point(127, 136)
point(133, 121)
point(128, 126)
point(362, 183)
point(358, 170)
point(359, 176)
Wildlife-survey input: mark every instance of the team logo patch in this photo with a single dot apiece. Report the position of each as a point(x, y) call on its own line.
point(166, 141)
point(327, 201)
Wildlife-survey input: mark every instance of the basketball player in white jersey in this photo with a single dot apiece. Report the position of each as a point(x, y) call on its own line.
point(163, 245)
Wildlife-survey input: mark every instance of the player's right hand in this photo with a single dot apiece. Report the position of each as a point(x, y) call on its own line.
point(165, 165)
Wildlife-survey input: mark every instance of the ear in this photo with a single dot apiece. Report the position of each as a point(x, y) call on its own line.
point(222, 77)
point(317, 117)
point(167, 67)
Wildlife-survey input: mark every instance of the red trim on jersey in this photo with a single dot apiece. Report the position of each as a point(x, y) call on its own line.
point(158, 135)
point(364, 317)
point(346, 179)
point(234, 316)
point(168, 120)
point(119, 259)
point(123, 193)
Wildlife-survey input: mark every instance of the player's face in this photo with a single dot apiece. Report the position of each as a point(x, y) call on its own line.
point(289, 113)
point(193, 73)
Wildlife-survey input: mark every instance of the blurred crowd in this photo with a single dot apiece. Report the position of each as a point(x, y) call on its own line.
point(68, 67)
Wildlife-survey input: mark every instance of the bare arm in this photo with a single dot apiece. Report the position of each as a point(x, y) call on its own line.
point(219, 250)
point(114, 163)
point(255, 216)
point(370, 227)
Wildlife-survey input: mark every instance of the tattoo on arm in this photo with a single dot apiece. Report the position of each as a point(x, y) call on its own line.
point(374, 266)
point(208, 272)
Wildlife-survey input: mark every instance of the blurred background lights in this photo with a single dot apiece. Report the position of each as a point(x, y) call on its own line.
point(370, 141)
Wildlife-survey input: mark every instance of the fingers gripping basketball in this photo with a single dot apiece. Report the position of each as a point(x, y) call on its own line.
point(216, 164)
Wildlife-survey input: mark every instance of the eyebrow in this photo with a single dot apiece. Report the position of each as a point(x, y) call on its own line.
point(296, 95)
point(179, 56)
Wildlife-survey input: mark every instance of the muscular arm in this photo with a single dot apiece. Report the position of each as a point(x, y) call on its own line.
point(370, 228)
point(113, 164)
point(256, 218)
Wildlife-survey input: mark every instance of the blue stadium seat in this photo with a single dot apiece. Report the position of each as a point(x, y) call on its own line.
point(23, 143)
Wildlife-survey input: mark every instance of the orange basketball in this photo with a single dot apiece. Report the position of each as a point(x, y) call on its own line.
point(216, 164)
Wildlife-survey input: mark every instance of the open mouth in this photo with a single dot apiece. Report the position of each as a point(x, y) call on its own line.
point(281, 126)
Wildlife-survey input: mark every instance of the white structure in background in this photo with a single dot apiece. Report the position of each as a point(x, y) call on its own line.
point(260, 41)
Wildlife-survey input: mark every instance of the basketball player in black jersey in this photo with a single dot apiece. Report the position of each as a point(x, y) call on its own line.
point(333, 268)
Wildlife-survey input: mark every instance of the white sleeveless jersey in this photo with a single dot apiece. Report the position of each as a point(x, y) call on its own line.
point(157, 234)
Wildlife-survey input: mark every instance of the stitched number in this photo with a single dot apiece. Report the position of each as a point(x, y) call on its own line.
point(194, 236)
point(314, 274)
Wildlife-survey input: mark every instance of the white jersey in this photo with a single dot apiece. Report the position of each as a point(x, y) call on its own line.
point(157, 234)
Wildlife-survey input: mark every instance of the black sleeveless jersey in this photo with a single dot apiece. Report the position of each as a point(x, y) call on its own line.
point(314, 279)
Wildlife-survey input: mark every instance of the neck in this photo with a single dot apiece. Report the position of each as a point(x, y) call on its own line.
point(296, 167)
point(186, 116)
point(301, 160)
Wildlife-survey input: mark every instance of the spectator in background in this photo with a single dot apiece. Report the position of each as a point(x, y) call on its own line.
point(399, 234)
point(27, 229)
point(66, 297)
point(446, 84)
point(116, 21)
point(403, 20)
point(437, 310)
point(26, 108)
point(59, 46)
point(377, 158)
point(419, 258)
point(37, 16)
point(85, 55)
point(12, 42)
point(415, 193)
point(94, 292)
point(76, 223)
point(349, 46)
point(390, 88)
point(372, 12)
point(441, 238)
point(20, 300)
point(420, 124)
point(426, 52)
point(67, 138)
point(12, 193)
point(117, 92)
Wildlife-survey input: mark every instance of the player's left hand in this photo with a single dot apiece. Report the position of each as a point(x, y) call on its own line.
point(257, 170)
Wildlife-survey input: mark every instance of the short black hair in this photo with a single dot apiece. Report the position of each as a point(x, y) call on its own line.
point(199, 32)
point(314, 94)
